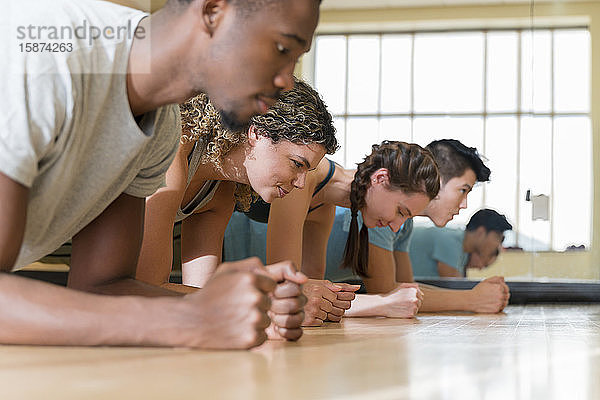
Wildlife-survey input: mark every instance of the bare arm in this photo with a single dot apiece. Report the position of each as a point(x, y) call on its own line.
point(435, 298)
point(402, 302)
point(446, 271)
point(286, 225)
point(404, 271)
point(13, 212)
point(386, 297)
point(488, 296)
point(382, 270)
point(33, 312)
point(314, 243)
point(105, 252)
point(291, 237)
point(156, 254)
point(202, 237)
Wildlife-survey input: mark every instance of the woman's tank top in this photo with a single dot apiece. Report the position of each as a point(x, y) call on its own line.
point(206, 192)
point(259, 210)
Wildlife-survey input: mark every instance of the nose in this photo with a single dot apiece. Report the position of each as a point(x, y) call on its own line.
point(284, 79)
point(300, 180)
point(397, 223)
point(463, 203)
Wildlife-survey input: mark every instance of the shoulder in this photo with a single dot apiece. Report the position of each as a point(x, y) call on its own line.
point(424, 234)
point(168, 119)
point(382, 237)
point(223, 198)
point(313, 178)
point(456, 234)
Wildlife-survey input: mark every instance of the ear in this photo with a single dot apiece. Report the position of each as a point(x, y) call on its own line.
point(380, 177)
point(213, 12)
point(481, 232)
point(252, 135)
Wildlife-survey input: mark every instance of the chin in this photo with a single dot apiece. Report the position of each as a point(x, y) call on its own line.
point(267, 197)
point(233, 120)
point(368, 222)
point(440, 223)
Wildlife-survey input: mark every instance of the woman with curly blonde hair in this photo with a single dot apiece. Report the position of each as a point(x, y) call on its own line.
point(214, 168)
point(396, 181)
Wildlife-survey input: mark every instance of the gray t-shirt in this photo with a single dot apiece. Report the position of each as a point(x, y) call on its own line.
point(67, 131)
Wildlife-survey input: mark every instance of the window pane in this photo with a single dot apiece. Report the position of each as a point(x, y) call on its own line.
point(393, 128)
point(573, 182)
point(501, 151)
point(396, 73)
point(502, 71)
point(535, 71)
point(330, 71)
point(469, 130)
point(363, 74)
point(362, 134)
point(340, 134)
point(572, 71)
point(448, 72)
point(535, 174)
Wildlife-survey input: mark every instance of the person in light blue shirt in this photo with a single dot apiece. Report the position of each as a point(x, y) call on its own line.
point(255, 243)
point(445, 252)
point(389, 264)
point(377, 236)
point(431, 246)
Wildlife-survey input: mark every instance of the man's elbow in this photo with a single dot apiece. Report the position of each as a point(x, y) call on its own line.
point(98, 286)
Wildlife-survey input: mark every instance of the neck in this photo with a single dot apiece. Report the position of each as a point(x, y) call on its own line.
point(468, 242)
point(155, 76)
point(232, 168)
point(338, 189)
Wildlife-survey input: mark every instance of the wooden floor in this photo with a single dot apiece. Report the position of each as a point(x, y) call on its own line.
point(532, 352)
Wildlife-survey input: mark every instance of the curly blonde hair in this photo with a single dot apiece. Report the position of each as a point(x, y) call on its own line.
point(300, 116)
point(200, 119)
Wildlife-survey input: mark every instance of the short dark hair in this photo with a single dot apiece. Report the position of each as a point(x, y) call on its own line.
point(453, 158)
point(242, 5)
point(491, 220)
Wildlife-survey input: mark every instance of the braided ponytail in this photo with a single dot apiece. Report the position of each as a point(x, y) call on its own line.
point(356, 252)
point(411, 169)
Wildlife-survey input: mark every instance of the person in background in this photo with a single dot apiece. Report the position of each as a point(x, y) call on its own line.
point(445, 252)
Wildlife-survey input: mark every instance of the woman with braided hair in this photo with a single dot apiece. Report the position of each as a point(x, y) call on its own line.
point(389, 266)
point(395, 182)
point(214, 168)
point(461, 168)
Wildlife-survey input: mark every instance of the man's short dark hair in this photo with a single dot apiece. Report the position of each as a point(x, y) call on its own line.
point(453, 158)
point(243, 5)
point(490, 220)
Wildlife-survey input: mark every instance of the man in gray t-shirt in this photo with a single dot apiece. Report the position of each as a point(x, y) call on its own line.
point(89, 127)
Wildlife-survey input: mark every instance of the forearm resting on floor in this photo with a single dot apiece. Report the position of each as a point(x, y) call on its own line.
point(439, 299)
point(38, 313)
point(367, 305)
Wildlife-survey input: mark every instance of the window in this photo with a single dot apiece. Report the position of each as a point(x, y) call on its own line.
point(522, 97)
